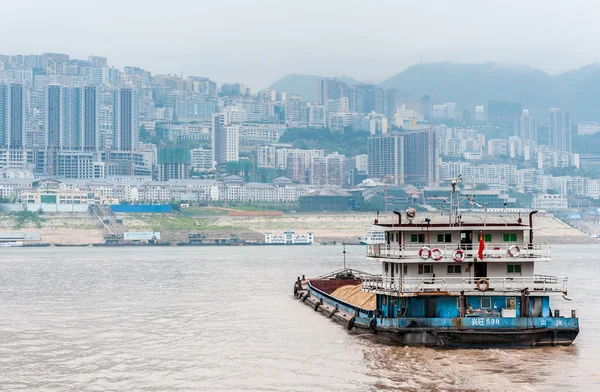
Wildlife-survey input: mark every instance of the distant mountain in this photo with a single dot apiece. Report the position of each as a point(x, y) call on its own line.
point(304, 85)
point(475, 84)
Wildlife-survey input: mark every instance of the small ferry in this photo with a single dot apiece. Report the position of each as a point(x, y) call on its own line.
point(373, 237)
point(455, 284)
point(289, 238)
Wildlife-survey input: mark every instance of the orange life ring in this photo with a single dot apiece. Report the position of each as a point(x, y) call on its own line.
point(485, 282)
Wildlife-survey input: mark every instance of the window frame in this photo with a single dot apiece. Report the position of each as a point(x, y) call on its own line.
point(512, 269)
point(454, 267)
point(444, 238)
point(509, 237)
point(488, 299)
point(508, 302)
point(421, 269)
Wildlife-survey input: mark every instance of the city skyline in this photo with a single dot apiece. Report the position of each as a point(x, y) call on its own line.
point(259, 45)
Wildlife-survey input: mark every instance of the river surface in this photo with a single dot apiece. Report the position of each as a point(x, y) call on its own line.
point(225, 319)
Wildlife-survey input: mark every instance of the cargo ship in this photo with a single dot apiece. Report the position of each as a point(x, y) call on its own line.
point(454, 284)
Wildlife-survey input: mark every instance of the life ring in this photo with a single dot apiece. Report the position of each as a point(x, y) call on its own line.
point(458, 255)
point(424, 253)
point(439, 253)
point(485, 282)
point(372, 325)
point(514, 251)
point(496, 248)
point(351, 323)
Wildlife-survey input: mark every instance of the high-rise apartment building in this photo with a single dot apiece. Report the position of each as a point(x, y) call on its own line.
point(559, 130)
point(12, 115)
point(98, 61)
point(225, 140)
point(328, 88)
point(526, 127)
point(53, 116)
point(72, 118)
point(90, 124)
point(404, 157)
point(126, 119)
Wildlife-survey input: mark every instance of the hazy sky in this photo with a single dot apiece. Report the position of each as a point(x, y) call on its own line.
point(258, 41)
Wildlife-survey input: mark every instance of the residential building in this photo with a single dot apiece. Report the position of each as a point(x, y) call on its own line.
point(588, 127)
point(12, 115)
point(126, 119)
point(266, 157)
point(362, 163)
point(559, 130)
point(549, 202)
point(225, 140)
point(526, 127)
point(174, 163)
point(330, 89)
point(479, 113)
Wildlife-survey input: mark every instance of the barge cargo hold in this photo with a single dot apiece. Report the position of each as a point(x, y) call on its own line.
point(454, 284)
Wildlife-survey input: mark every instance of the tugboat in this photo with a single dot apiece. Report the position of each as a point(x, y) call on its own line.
point(452, 284)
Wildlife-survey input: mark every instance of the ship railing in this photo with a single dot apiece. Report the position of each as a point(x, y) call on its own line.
point(446, 252)
point(431, 284)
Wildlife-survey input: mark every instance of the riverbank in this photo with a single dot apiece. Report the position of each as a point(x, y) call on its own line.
point(80, 228)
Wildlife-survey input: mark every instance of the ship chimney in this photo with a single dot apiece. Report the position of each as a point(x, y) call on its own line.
point(531, 228)
point(399, 217)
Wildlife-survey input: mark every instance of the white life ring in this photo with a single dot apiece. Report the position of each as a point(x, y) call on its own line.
point(496, 249)
point(459, 255)
point(436, 254)
point(514, 251)
point(424, 253)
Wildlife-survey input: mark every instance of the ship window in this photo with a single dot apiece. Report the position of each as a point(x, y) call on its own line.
point(405, 269)
point(511, 302)
point(385, 266)
point(486, 302)
point(454, 269)
point(509, 237)
point(417, 238)
point(444, 237)
point(425, 269)
point(488, 238)
point(513, 268)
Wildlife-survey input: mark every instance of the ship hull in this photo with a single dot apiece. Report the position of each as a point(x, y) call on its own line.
point(442, 332)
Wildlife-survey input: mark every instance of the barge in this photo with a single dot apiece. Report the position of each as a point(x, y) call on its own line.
point(454, 284)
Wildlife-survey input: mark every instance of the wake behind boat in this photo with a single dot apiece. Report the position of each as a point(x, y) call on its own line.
point(451, 284)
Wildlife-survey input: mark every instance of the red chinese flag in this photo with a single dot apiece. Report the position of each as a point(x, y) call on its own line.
point(481, 246)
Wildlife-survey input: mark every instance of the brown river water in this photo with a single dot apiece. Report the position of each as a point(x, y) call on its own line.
point(225, 319)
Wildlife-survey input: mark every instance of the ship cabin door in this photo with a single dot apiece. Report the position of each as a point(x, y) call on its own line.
point(466, 240)
point(480, 269)
point(430, 304)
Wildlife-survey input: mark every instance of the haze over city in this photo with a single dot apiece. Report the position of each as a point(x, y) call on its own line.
point(258, 42)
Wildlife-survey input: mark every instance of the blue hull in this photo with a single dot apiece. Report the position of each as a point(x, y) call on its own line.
point(467, 332)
